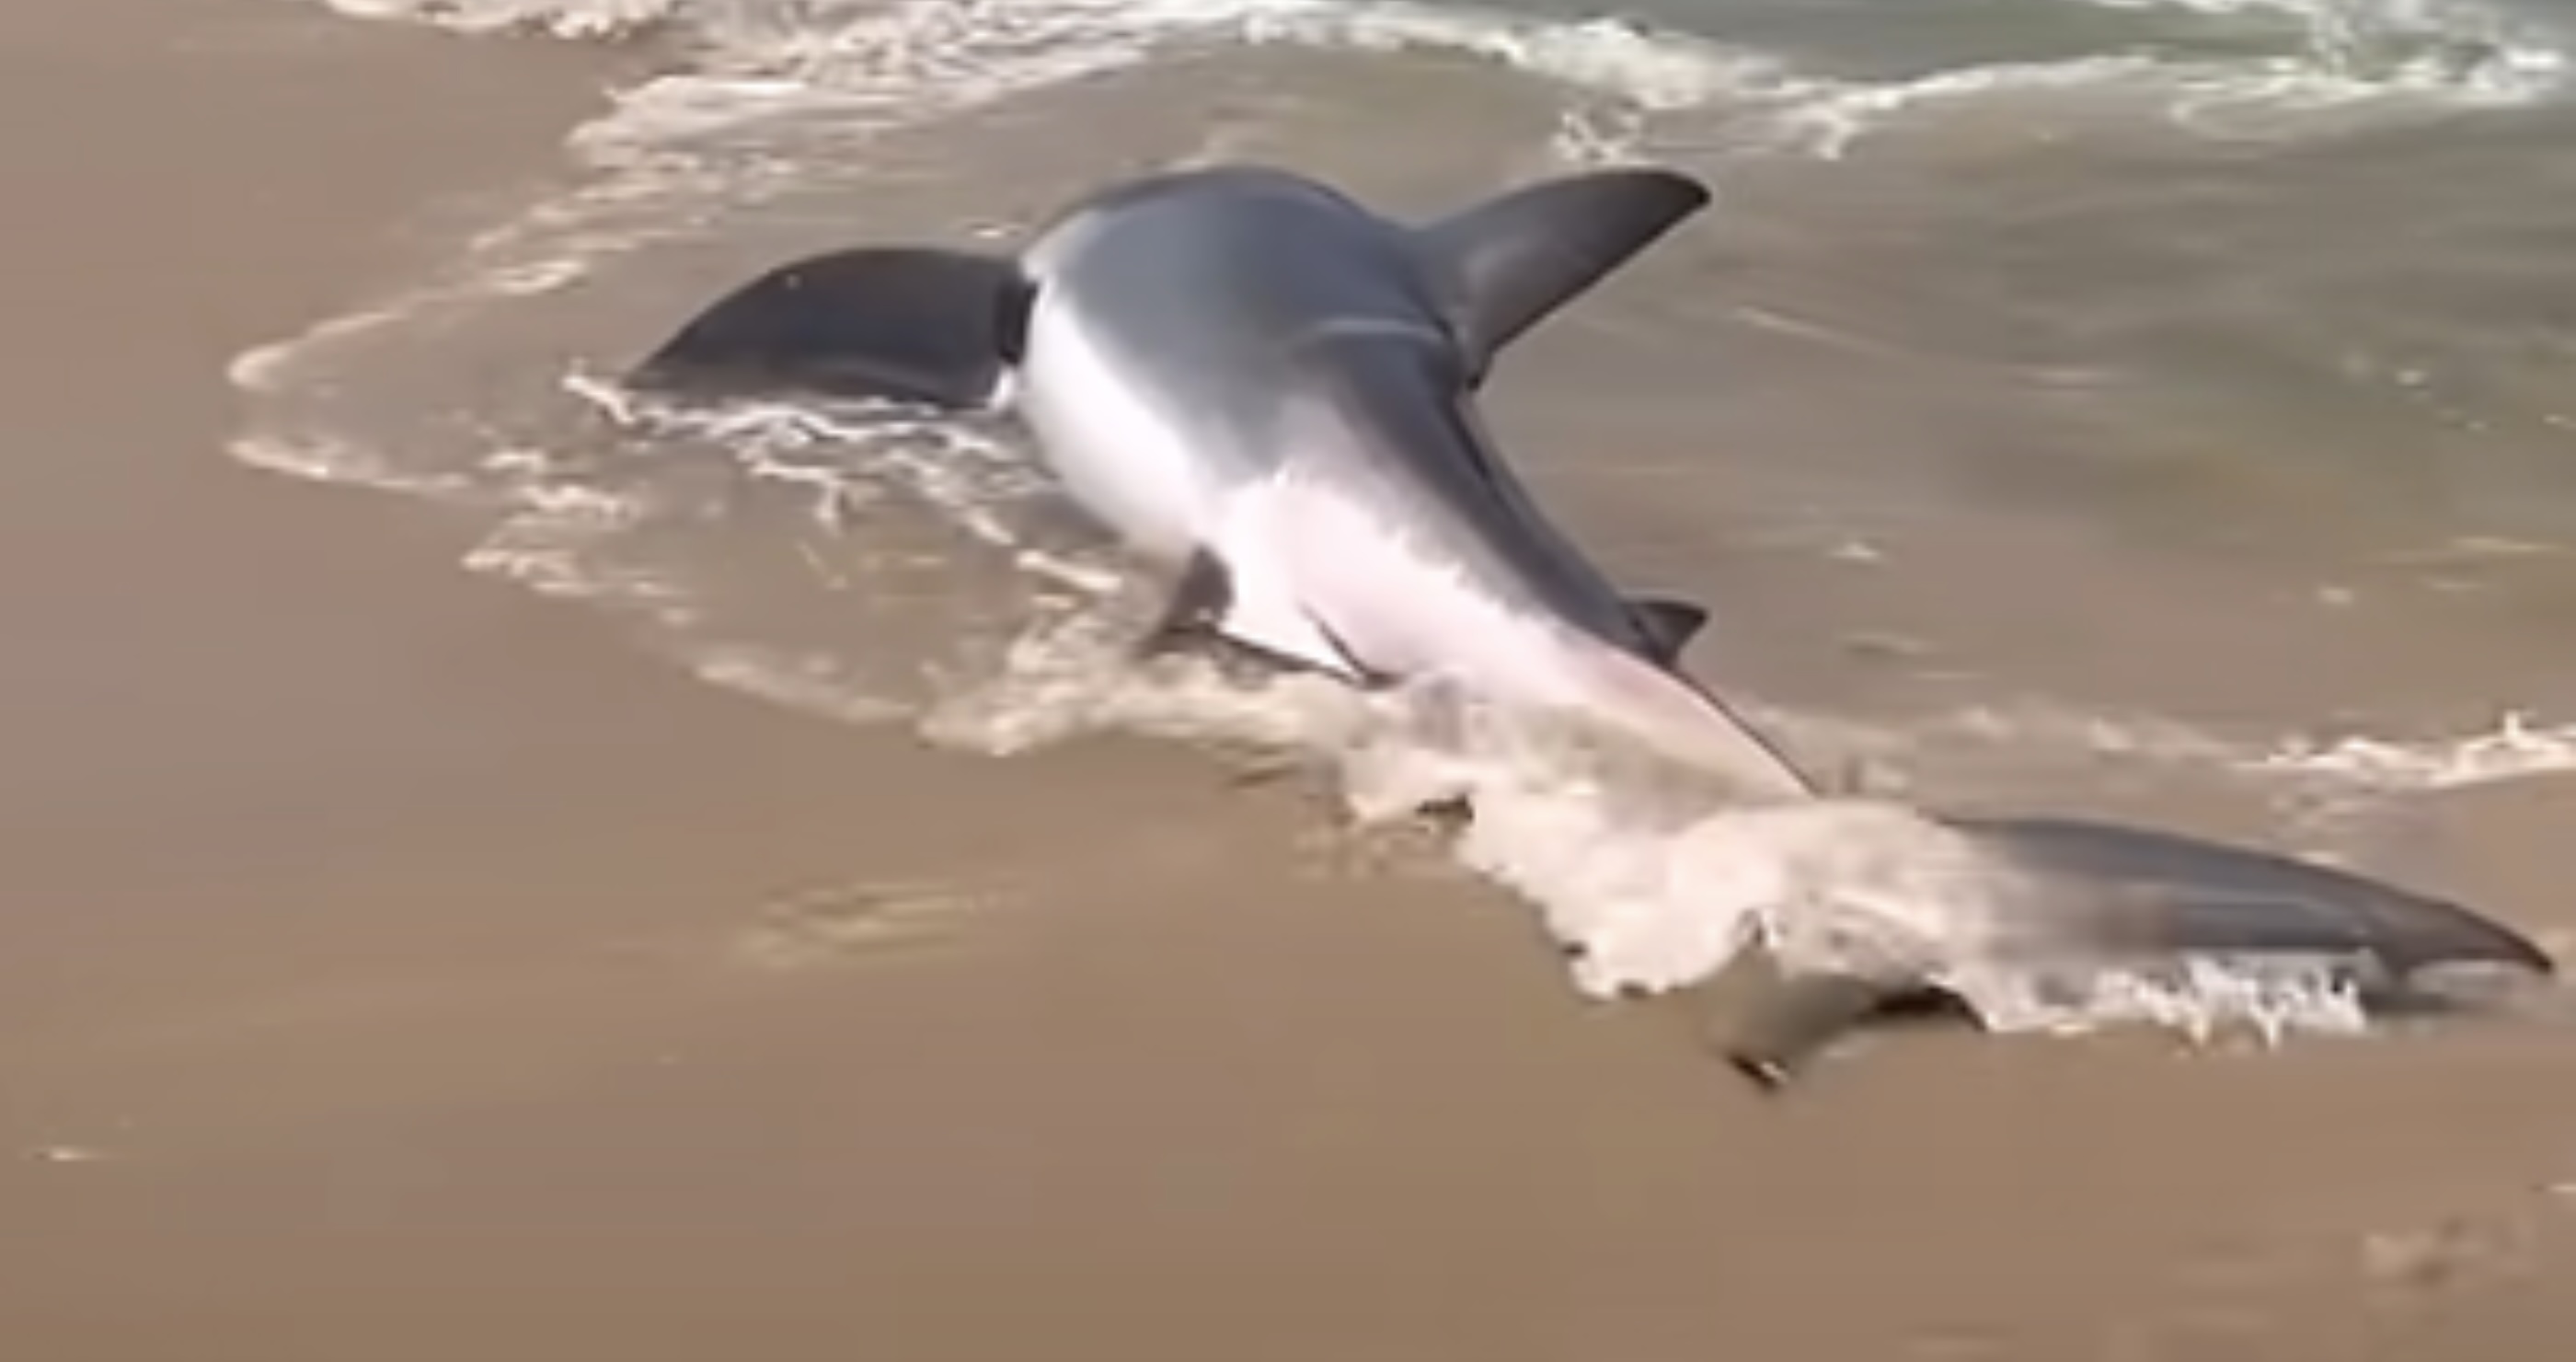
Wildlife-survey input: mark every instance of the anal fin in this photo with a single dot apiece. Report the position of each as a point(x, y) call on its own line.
point(901, 323)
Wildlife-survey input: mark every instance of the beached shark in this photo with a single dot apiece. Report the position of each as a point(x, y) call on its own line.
point(1885, 910)
point(1269, 389)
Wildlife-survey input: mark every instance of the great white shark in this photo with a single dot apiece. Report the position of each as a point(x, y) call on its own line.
point(1269, 389)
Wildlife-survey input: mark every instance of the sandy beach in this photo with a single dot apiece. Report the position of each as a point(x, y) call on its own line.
point(396, 965)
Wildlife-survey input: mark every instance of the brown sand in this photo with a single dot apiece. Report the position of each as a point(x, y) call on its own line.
point(392, 966)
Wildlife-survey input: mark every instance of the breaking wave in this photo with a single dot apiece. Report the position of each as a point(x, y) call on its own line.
point(755, 58)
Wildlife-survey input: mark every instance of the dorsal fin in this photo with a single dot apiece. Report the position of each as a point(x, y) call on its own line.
point(905, 323)
point(1511, 260)
point(1669, 624)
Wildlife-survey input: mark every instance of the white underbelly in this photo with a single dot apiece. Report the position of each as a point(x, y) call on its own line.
point(1110, 439)
point(1393, 601)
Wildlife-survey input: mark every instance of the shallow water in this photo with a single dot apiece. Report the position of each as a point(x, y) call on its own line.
point(2081, 404)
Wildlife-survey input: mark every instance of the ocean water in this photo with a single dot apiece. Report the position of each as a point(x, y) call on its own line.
point(2162, 410)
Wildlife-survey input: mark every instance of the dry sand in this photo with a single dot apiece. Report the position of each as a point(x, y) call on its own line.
point(393, 966)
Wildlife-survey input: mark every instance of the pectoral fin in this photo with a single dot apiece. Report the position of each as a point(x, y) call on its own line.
point(1206, 611)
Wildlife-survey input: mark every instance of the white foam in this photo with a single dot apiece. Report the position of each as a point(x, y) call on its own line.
point(1655, 68)
point(1070, 673)
point(546, 547)
point(1657, 891)
point(2515, 749)
point(2200, 997)
point(682, 146)
point(909, 60)
point(1652, 889)
point(2348, 30)
point(814, 683)
point(853, 454)
point(325, 460)
point(587, 20)
point(267, 368)
point(1652, 905)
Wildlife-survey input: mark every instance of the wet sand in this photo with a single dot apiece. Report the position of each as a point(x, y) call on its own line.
point(396, 966)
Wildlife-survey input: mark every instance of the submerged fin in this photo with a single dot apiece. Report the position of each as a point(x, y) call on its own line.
point(1778, 1021)
point(1269, 621)
point(1669, 624)
point(1513, 259)
point(1296, 640)
point(1205, 612)
point(1199, 599)
point(2104, 887)
point(902, 323)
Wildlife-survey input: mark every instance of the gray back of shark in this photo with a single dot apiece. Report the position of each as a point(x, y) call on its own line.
point(1256, 380)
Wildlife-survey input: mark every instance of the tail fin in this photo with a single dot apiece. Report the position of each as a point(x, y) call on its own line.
point(2124, 889)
